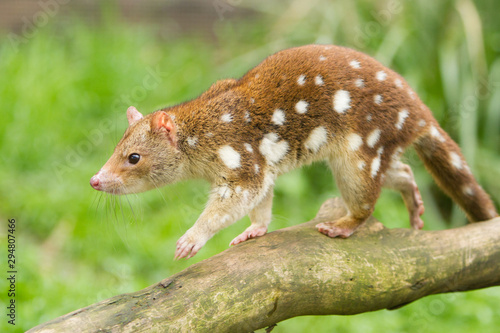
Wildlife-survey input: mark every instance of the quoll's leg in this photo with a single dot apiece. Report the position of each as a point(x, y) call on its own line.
point(359, 191)
point(227, 204)
point(260, 217)
point(399, 177)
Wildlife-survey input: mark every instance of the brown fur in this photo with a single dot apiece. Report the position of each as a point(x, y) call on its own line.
point(228, 136)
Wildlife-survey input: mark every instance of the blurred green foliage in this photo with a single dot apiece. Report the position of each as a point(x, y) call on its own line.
point(64, 92)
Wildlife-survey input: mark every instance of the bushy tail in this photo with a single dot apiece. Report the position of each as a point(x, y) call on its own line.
point(443, 159)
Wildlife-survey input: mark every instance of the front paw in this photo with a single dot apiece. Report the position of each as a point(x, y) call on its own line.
point(188, 245)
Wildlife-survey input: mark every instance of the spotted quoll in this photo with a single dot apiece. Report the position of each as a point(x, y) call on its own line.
point(299, 105)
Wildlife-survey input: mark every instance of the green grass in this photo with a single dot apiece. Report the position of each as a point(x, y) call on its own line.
point(64, 94)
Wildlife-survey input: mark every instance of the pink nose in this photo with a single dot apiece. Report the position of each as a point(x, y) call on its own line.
point(94, 182)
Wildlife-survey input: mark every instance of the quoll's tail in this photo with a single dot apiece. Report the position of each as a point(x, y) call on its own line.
point(443, 159)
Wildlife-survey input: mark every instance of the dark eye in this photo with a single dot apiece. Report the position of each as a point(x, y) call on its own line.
point(134, 158)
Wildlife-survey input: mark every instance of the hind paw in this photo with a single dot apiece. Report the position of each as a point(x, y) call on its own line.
point(343, 228)
point(250, 232)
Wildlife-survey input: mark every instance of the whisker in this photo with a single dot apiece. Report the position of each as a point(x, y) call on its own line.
point(115, 206)
point(94, 200)
point(179, 224)
point(109, 206)
point(153, 181)
point(124, 237)
point(99, 197)
point(107, 210)
point(138, 199)
point(92, 204)
point(131, 209)
point(129, 203)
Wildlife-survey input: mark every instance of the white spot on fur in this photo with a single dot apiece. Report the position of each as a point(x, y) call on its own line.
point(376, 163)
point(355, 64)
point(375, 166)
point(318, 80)
point(278, 117)
point(456, 161)
point(224, 191)
point(301, 106)
point(367, 207)
point(245, 195)
point(377, 99)
point(402, 115)
point(271, 136)
point(237, 189)
point(435, 133)
point(247, 117)
point(316, 139)
point(248, 147)
point(359, 83)
point(273, 150)
point(226, 117)
point(381, 75)
point(369, 117)
point(354, 141)
point(192, 141)
point(398, 83)
point(252, 100)
point(257, 75)
point(373, 138)
point(361, 165)
point(209, 134)
point(468, 190)
point(466, 167)
point(421, 123)
point(411, 93)
point(301, 80)
point(256, 168)
point(230, 157)
point(341, 101)
point(322, 58)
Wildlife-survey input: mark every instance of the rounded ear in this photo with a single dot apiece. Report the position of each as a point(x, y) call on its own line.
point(162, 122)
point(133, 115)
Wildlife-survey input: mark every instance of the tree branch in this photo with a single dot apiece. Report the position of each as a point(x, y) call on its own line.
point(298, 271)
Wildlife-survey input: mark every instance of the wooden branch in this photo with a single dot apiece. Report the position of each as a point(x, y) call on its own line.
point(298, 271)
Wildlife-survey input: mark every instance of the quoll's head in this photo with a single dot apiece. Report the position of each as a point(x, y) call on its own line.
point(146, 156)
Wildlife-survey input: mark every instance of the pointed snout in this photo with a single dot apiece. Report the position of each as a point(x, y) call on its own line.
point(95, 182)
point(108, 182)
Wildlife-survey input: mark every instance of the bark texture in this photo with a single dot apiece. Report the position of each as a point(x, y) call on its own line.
point(298, 271)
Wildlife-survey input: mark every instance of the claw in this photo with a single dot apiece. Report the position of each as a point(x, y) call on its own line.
point(417, 209)
point(343, 227)
point(250, 232)
point(187, 248)
point(331, 230)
